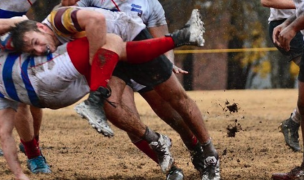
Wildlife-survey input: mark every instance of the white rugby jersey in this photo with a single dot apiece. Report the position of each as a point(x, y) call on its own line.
point(279, 14)
point(299, 9)
point(150, 11)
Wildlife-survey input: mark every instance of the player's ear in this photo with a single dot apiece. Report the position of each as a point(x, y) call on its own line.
point(41, 27)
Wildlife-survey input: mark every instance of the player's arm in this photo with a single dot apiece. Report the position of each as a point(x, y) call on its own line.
point(7, 24)
point(279, 4)
point(94, 24)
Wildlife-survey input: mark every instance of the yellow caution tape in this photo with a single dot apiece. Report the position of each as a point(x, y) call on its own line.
point(224, 50)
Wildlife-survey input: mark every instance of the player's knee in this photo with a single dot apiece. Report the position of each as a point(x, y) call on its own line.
point(114, 43)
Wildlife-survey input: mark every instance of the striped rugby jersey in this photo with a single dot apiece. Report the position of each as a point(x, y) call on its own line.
point(15, 83)
point(10, 62)
point(63, 22)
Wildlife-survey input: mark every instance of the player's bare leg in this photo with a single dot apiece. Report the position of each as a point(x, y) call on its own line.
point(25, 127)
point(124, 118)
point(172, 91)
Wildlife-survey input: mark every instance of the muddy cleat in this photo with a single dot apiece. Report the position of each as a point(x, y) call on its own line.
point(209, 166)
point(162, 149)
point(192, 33)
point(295, 174)
point(197, 157)
point(95, 116)
point(211, 169)
point(290, 130)
point(175, 173)
point(38, 165)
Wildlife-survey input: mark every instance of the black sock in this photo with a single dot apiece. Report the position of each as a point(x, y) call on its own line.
point(150, 135)
point(209, 149)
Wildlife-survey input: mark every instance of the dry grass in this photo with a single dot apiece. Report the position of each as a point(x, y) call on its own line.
point(76, 152)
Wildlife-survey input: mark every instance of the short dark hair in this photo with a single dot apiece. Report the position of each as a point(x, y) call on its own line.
point(17, 33)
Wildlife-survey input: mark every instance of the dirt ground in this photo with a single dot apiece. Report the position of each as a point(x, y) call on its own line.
point(76, 152)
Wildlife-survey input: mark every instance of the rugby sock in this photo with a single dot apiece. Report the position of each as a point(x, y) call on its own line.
point(145, 148)
point(32, 149)
point(102, 67)
point(150, 136)
point(146, 50)
point(295, 116)
point(191, 145)
point(208, 148)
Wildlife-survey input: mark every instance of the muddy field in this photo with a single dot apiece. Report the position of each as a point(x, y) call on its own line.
point(76, 152)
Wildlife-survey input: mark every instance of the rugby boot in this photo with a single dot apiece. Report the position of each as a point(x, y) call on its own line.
point(191, 33)
point(290, 130)
point(211, 170)
point(95, 117)
point(162, 149)
point(197, 157)
point(295, 174)
point(92, 110)
point(175, 173)
point(208, 166)
point(38, 165)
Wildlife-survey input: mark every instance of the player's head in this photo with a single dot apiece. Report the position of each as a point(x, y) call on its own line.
point(33, 37)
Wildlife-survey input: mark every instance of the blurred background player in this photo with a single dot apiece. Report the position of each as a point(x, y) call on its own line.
point(280, 10)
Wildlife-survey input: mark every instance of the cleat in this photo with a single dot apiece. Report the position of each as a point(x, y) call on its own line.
point(96, 118)
point(208, 166)
point(290, 129)
point(192, 33)
point(93, 110)
point(295, 174)
point(162, 149)
point(211, 169)
point(197, 157)
point(38, 165)
point(1, 153)
point(175, 173)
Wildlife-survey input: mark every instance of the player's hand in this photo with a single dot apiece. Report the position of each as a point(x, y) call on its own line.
point(276, 32)
point(178, 70)
point(285, 36)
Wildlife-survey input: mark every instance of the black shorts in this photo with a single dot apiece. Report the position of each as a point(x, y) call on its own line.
point(150, 73)
point(301, 73)
point(296, 44)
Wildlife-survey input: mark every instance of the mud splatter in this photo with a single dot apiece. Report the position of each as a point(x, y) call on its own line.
point(233, 129)
point(232, 108)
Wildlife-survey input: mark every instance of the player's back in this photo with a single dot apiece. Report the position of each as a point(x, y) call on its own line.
point(150, 11)
point(11, 8)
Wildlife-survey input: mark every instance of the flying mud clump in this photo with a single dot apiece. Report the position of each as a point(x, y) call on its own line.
point(233, 129)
